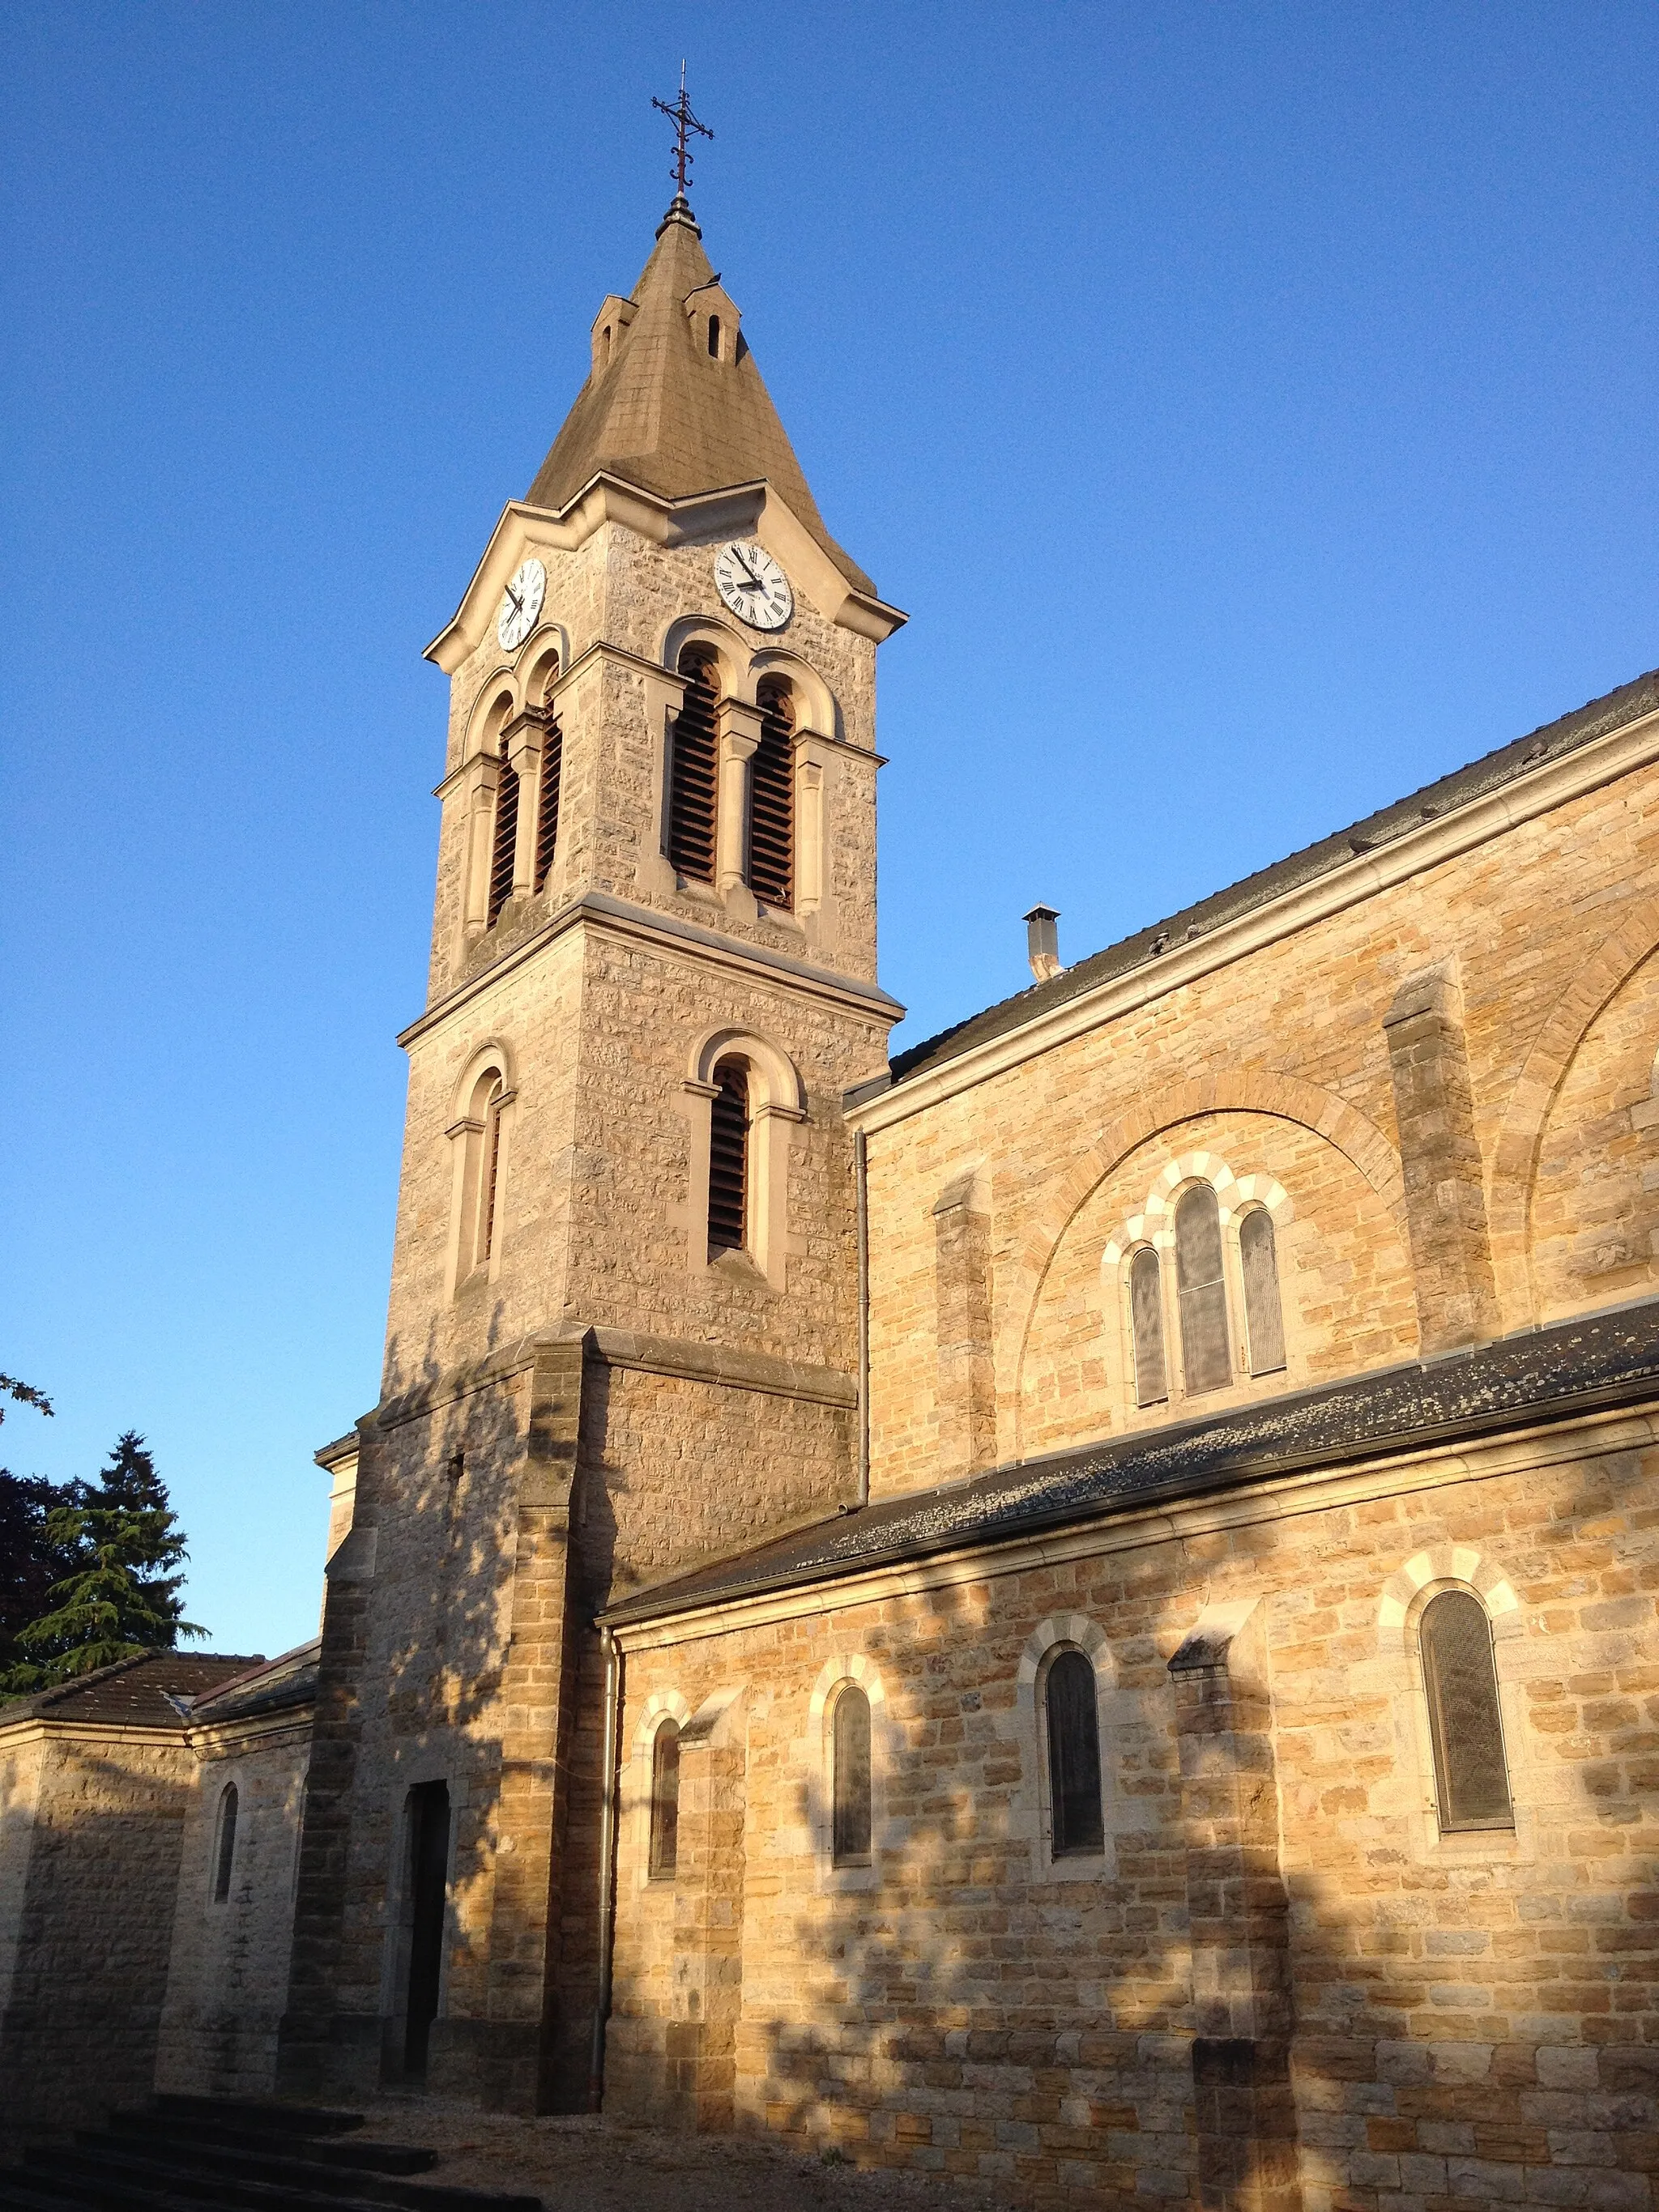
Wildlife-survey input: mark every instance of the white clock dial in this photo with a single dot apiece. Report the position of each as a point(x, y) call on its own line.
point(753, 586)
point(521, 602)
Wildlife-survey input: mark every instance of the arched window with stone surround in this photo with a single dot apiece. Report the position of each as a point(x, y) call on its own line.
point(1201, 1292)
point(224, 1853)
point(1466, 1723)
point(728, 1158)
point(1072, 1726)
point(547, 797)
point(478, 1189)
point(1146, 1328)
point(664, 1856)
point(772, 798)
point(693, 768)
point(1264, 1314)
point(850, 1778)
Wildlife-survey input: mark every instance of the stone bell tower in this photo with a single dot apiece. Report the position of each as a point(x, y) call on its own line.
point(623, 1325)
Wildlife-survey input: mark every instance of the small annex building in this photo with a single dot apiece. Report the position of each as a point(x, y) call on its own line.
point(1074, 1606)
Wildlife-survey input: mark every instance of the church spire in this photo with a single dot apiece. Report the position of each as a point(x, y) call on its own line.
point(674, 403)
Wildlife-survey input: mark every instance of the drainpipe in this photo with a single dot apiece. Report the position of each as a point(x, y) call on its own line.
point(607, 1869)
point(861, 1177)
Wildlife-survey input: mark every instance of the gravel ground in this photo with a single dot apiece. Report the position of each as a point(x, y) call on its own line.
point(596, 2165)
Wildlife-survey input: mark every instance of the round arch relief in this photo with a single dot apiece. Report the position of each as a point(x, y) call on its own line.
point(1154, 1224)
point(1445, 1563)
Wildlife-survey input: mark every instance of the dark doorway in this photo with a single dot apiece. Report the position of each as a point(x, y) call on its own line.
point(429, 1884)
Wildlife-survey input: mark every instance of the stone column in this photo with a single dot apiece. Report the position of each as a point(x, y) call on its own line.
point(967, 1372)
point(1445, 1196)
point(525, 737)
point(1238, 1914)
point(700, 2044)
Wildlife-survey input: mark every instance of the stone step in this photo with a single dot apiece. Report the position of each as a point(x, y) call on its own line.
point(260, 2112)
point(113, 2179)
point(22, 2192)
point(183, 2133)
point(258, 2180)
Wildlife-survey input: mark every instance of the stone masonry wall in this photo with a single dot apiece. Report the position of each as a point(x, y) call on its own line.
point(80, 2029)
point(228, 1977)
point(1474, 2017)
point(1281, 1061)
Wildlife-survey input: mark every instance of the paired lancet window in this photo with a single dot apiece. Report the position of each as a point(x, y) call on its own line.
point(693, 839)
point(512, 797)
point(1187, 1284)
point(1466, 1722)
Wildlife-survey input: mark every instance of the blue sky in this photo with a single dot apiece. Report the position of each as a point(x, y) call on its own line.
point(1253, 406)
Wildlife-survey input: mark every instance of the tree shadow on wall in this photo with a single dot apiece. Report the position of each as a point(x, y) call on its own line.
point(1471, 2020)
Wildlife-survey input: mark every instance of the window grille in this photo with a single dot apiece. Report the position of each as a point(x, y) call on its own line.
point(1201, 1292)
point(1460, 1678)
point(665, 1798)
point(1264, 1317)
point(547, 810)
point(850, 1756)
point(728, 1159)
point(1146, 1324)
point(507, 837)
point(772, 801)
point(1074, 1730)
point(692, 772)
point(226, 1855)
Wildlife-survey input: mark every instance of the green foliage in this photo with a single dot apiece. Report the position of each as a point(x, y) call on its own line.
point(24, 1394)
point(117, 1549)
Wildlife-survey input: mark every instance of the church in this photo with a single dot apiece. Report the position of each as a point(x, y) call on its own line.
point(1075, 1606)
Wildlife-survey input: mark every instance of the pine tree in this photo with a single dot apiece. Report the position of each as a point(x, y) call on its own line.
point(30, 1563)
point(119, 1595)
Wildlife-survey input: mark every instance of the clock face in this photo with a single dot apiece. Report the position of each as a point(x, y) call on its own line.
point(521, 602)
point(753, 586)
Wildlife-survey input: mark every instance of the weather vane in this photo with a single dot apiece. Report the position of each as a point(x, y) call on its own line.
point(684, 121)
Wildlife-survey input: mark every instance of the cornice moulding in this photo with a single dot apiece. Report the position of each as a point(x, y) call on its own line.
point(1535, 793)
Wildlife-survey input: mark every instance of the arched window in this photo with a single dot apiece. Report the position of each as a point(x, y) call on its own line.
point(728, 1159)
point(547, 805)
point(849, 1842)
point(665, 1799)
point(507, 837)
point(1201, 1292)
point(1072, 1726)
point(224, 1858)
point(693, 768)
point(492, 1171)
point(1460, 1678)
point(481, 1174)
point(1146, 1325)
point(772, 799)
point(1264, 1318)
point(714, 338)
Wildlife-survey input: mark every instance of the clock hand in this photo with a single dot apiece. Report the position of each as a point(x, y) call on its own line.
point(517, 602)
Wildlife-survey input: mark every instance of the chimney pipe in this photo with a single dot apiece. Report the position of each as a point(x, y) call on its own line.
point(1042, 942)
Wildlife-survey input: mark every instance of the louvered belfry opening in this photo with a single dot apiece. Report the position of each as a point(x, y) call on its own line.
point(728, 1159)
point(692, 772)
point(547, 807)
point(772, 800)
point(507, 836)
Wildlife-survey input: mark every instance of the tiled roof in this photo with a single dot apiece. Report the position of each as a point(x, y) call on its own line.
point(661, 414)
point(272, 1687)
point(1545, 1374)
point(134, 1692)
point(1490, 773)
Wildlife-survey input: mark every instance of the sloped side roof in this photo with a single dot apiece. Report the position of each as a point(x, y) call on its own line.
point(134, 1692)
point(1627, 704)
point(664, 415)
point(273, 1686)
point(1542, 1375)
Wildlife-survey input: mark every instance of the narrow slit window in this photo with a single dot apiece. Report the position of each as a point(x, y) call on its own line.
point(772, 801)
point(692, 769)
point(1460, 1677)
point(665, 1799)
point(224, 1859)
point(1264, 1315)
point(728, 1159)
point(1074, 1730)
point(714, 338)
point(850, 1756)
point(547, 810)
point(1201, 1292)
point(1146, 1325)
point(507, 837)
point(492, 1172)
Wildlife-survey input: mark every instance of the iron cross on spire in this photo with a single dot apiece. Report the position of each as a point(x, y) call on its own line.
point(684, 121)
